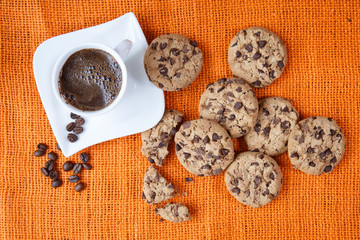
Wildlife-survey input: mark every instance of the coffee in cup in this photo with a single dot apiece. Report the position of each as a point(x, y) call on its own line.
point(90, 79)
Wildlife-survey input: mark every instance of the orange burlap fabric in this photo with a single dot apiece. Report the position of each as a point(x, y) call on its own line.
point(322, 78)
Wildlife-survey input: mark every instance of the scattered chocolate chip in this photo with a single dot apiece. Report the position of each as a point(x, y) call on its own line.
point(328, 168)
point(80, 121)
point(333, 160)
point(207, 167)
point(232, 117)
point(266, 165)
point(256, 56)
point(161, 85)
point(245, 56)
point(294, 155)
point(255, 150)
point(150, 160)
point(236, 190)
point(175, 51)
point(319, 134)
point(238, 54)
point(72, 137)
point(261, 156)
point(254, 164)
point(261, 43)
point(249, 47)
point(235, 44)
point(247, 193)
point(220, 89)
point(332, 132)
point(280, 64)
point(162, 144)
point(217, 171)
point(271, 74)
point(312, 164)
point(206, 140)
point(163, 71)
point(224, 151)
point(238, 105)
point(258, 33)
point(178, 147)
point(266, 192)
point(285, 109)
point(163, 46)
point(266, 112)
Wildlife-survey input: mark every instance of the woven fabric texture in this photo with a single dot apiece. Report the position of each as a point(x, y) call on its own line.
point(322, 78)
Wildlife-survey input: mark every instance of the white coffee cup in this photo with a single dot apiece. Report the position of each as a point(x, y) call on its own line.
point(120, 52)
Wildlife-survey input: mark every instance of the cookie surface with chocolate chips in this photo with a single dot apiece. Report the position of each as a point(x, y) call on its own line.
point(172, 62)
point(232, 103)
point(203, 147)
point(258, 55)
point(156, 188)
point(155, 141)
point(316, 145)
point(254, 179)
point(276, 118)
point(174, 212)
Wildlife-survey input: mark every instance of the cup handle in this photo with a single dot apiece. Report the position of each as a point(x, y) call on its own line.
point(123, 48)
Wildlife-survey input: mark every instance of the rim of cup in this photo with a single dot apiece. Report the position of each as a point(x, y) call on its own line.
point(59, 65)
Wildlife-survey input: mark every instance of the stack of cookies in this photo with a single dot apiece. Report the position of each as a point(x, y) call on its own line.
point(229, 109)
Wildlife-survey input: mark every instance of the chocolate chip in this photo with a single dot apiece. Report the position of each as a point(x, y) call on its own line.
point(194, 43)
point(285, 124)
point(178, 147)
point(152, 195)
point(215, 137)
point(257, 181)
point(238, 54)
point(221, 111)
point(312, 164)
point(266, 112)
point(339, 136)
point(254, 164)
point(164, 135)
point(265, 65)
point(261, 156)
point(161, 85)
point(163, 46)
point(255, 150)
point(154, 45)
point(261, 43)
point(294, 155)
point(186, 49)
point(220, 89)
point(198, 157)
point(332, 132)
point(258, 33)
point(70, 126)
point(200, 175)
point(310, 150)
point(217, 171)
point(163, 71)
point(236, 190)
point(210, 84)
point(256, 56)
point(173, 131)
point(239, 89)
point(207, 167)
point(222, 80)
point(271, 74)
point(206, 140)
point(266, 131)
point(257, 127)
point(249, 47)
point(272, 176)
point(245, 56)
point(266, 192)
point(187, 155)
point(235, 44)
point(244, 32)
point(301, 139)
point(276, 120)
point(256, 83)
point(186, 124)
point(333, 160)
point(328, 168)
point(162, 144)
point(224, 151)
point(175, 51)
point(150, 160)
point(238, 105)
point(230, 94)
point(280, 64)
point(285, 109)
point(247, 193)
point(266, 165)
point(172, 61)
point(232, 117)
point(319, 134)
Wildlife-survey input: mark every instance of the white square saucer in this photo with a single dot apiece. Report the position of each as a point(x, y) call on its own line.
point(142, 105)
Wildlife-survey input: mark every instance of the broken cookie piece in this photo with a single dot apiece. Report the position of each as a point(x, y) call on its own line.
point(174, 213)
point(156, 140)
point(156, 188)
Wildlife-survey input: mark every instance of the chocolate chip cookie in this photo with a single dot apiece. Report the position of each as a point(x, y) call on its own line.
point(316, 145)
point(257, 55)
point(174, 212)
point(254, 179)
point(156, 188)
point(156, 140)
point(232, 103)
point(203, 147)
point(172, 62)
point(276, 118)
